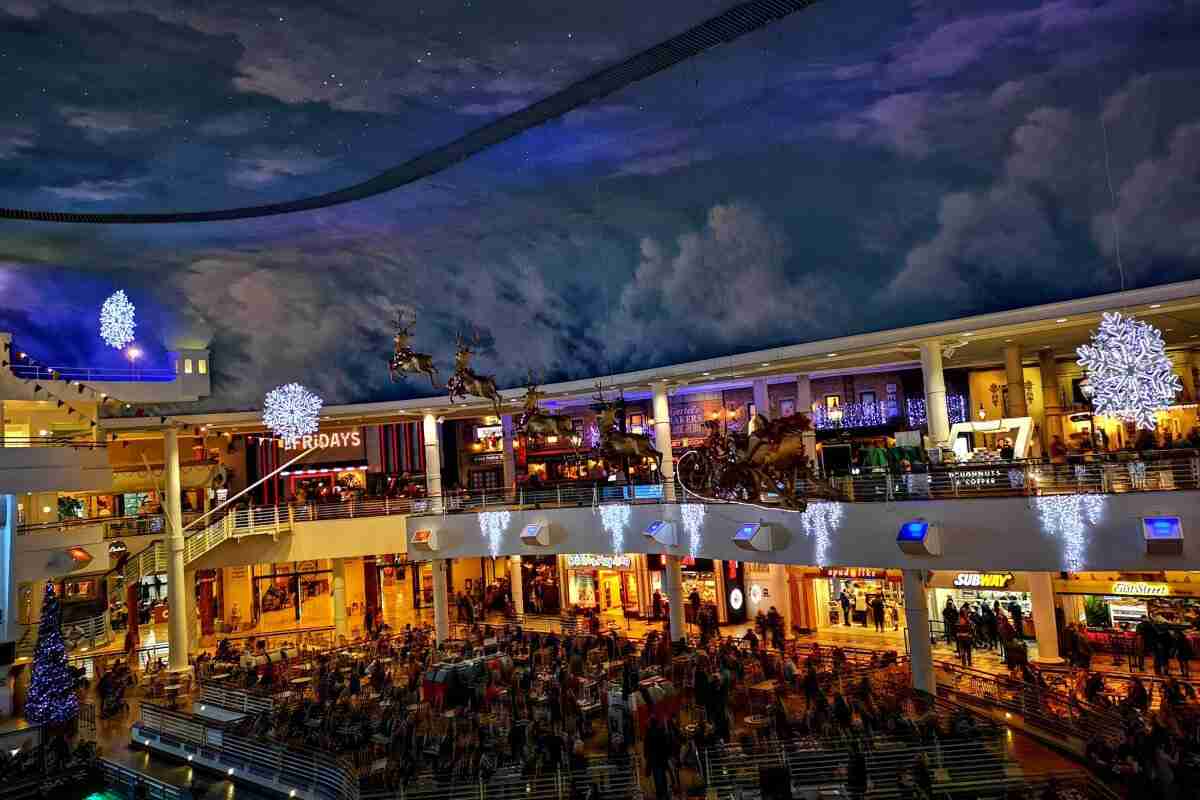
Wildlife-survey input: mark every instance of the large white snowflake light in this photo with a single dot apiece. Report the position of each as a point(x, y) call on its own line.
point(291, 412)
point(116, 320)
point(1128, 370)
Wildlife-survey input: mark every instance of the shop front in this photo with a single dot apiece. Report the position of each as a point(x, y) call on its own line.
point(860, 585)
point(540, 584)
point(292, 594)
point(700, 576)
point(1118, 601)
point(606, 583)
point(980, 588)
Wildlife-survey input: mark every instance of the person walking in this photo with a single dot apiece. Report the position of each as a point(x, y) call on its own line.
point(658, 754)
point(949, 619)
point(1183, 654)
point(844, 599)
point(656, 605)
point(877, 612)
point(1162, 652)
point(963, 635)
point(1143, 643)
point(1014, 608)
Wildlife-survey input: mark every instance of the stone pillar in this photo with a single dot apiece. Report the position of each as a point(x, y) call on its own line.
point(935, 392)
point(341, 626)
point(662, 439)
point(433, 462)
point(441, 601)
point(518, 588)
point(1041, 596)
point(1015, 378)
point(804, 405)
point(673, 583)
point(510, 459)
point(762, 398)
point(177, 585)
point(1051, 398)
point(916, 615)
point(193, 618)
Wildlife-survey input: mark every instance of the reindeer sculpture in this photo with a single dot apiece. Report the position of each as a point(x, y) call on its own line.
point(535, 422)
point(615, 444)
point(404, 358)
point(464, 382)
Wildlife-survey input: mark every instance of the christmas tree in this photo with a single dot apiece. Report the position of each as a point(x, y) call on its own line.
point(52, 699)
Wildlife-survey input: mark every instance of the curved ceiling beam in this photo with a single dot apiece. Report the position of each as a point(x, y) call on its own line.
point(734, 23)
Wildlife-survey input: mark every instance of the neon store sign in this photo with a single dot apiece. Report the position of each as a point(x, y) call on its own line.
point(592, 561)
point(983, 580)
point(1141, 588)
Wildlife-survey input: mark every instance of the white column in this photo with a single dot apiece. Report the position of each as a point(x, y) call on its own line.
point(441, 601)
point(1041, 591)
point(662, 439)
point(762, 398)
point(916, 615)
point(1015, 378)
point(341, 626)
point(510, 459)
point(518, 588)
point(673, 583)
point(804, 405)
point(433, 462)
point(177, 587)
point(935, 392)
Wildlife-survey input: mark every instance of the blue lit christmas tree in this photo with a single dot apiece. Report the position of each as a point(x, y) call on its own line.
point(52, 699)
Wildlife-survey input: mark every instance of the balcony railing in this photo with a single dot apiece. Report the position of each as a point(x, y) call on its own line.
point(92, 374)
point(51, 441)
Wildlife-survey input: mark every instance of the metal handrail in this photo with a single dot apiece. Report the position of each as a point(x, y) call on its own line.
point(103, 374)
point(84, 442)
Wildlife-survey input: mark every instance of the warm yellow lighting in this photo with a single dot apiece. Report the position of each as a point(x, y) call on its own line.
point(552, 439)
point(45, 509)
point(43, 432)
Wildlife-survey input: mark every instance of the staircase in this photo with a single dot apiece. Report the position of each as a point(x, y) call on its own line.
point(155, 558)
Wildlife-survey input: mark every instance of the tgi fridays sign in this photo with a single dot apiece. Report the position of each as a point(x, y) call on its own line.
point(335, 445)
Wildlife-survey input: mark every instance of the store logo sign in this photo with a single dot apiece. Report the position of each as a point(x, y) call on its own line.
point(756, 593)
point(326, 440)
point(593, 561)
point(736, 599)
point(1141, 588)
point(983, 580)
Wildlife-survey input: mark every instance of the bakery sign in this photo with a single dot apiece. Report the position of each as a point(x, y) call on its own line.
point(593, 561)
point(1141, 588)
point(983, 580)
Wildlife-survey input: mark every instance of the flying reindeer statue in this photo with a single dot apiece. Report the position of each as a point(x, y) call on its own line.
point(464, 382)
point(404, 358)
point(535, 422)
point(616, 444)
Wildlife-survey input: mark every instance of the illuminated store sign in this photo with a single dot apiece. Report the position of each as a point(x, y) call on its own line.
point(593, 561)
point(983, 580)
point(1141, 588)
point(853, 572)
point(326, 440)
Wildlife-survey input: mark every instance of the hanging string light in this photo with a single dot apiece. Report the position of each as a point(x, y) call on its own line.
point(116, 320)
point(1128, 370)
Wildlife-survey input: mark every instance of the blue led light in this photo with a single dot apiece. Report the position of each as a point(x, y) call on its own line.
point(913, 531)
point(1162, 528)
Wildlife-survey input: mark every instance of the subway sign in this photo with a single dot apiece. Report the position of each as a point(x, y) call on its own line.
point(983, 580)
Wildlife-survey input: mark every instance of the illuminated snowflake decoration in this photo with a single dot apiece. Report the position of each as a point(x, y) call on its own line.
point(615, 519)
point(116, 320)
point(1066, 517)
point(291, 412)
point(693, 523)
point(493, 524)
point(1128, 370)
point(821, 519)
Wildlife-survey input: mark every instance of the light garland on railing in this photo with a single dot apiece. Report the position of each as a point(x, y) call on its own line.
point(615, 519)
point(693, 522)
point(821, 519)
point(493, 524)
point(851, 415)
point(1066, 516)
point(915, 411)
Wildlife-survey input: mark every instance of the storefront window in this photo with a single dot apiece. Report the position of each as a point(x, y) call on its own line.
point(861, 586)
